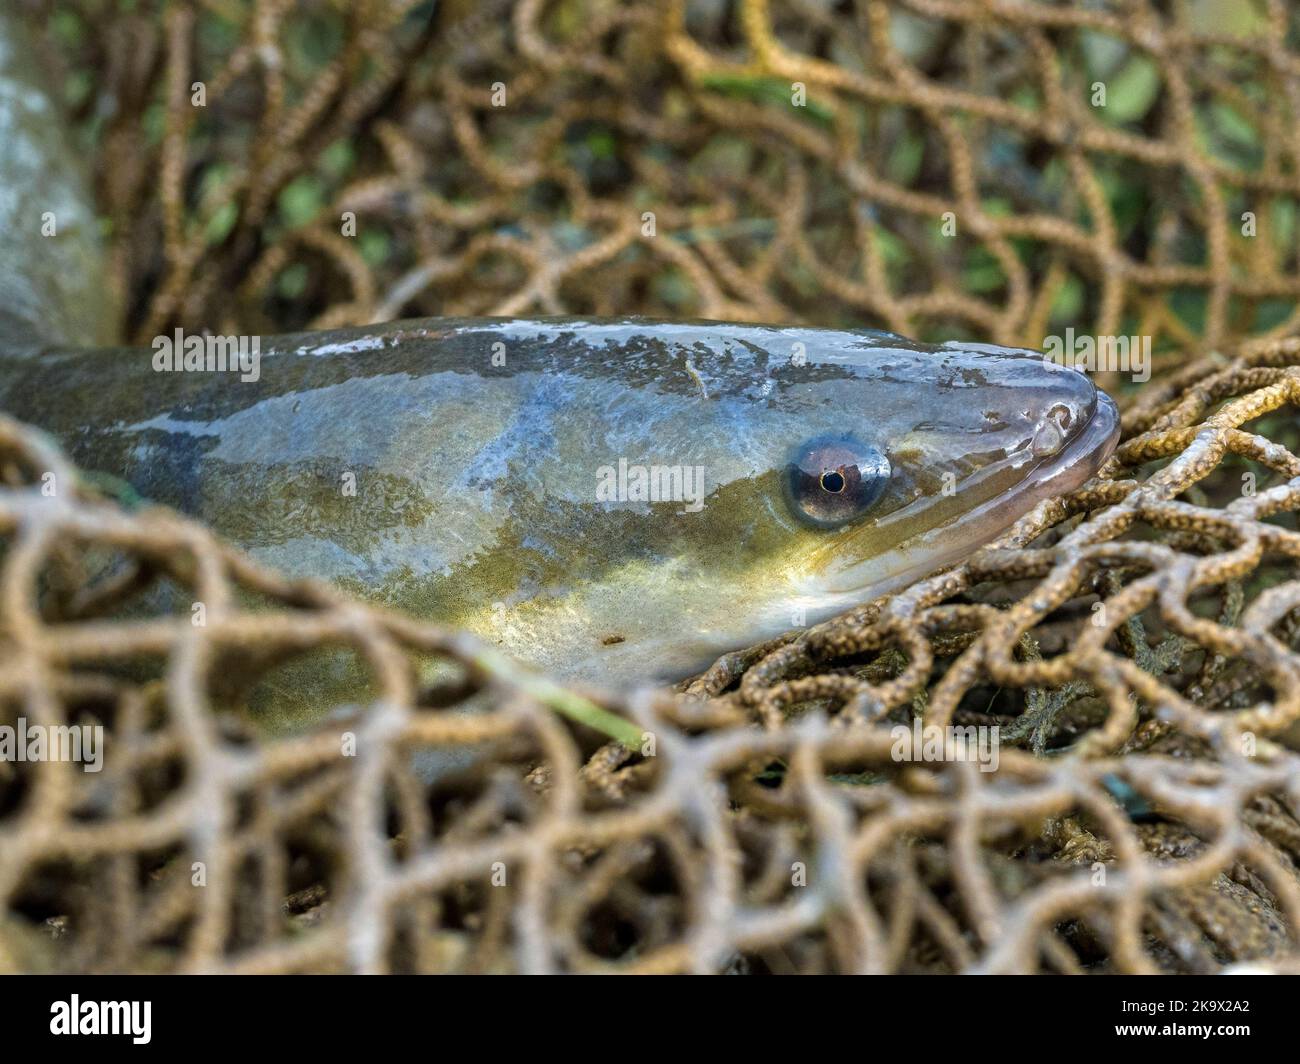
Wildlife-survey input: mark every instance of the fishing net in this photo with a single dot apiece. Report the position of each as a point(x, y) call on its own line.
point(950, 169)
point(1135, 642)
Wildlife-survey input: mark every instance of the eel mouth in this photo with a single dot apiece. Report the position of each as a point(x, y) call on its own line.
point(1081, 457)
point(947, 542)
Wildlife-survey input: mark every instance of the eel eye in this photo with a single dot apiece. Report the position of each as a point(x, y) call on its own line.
point(834, 479)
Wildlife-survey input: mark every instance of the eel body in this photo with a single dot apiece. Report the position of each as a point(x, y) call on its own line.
point(616, 501)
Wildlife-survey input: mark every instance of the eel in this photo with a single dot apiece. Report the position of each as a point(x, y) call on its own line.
point(615, 502)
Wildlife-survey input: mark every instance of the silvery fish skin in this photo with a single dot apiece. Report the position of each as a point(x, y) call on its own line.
point(485, 473)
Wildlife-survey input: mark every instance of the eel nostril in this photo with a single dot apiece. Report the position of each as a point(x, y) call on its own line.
point(1049, 437)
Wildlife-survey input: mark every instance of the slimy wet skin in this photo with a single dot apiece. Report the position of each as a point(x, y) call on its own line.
point(612, 501)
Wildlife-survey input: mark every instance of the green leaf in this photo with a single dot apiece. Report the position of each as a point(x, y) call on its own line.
point(1067, 304)
point(983, 272)
point(301, 200)
point(292, 281)
point(338, 158)
point(220, 224)
point(1233, 125)
point(892, 248)
point(1131, 92)
point(1282, 219)
point(766, 90)
point(373, 244)
point(904, 162)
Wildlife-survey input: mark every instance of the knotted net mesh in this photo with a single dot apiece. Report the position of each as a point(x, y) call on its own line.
point(1134, 642)
point(1115, 167)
